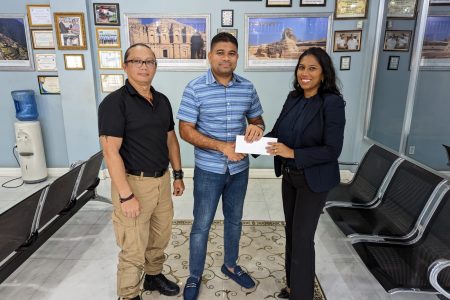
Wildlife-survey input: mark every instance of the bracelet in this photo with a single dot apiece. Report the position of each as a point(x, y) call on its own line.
point(261, 126)
point(122, 200)
point(179, 174)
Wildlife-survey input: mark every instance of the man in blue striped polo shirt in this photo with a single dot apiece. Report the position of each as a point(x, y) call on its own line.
point(214, 109)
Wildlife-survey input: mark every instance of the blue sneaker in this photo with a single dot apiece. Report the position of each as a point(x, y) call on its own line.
point(191, 289)
point(241, 277)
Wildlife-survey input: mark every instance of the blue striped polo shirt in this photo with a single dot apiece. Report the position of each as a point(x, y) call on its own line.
point(219, 112)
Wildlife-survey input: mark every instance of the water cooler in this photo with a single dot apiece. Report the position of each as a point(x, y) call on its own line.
point(29, 137)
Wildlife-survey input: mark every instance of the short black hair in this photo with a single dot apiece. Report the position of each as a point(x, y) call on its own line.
point(224, 37)
point(127, 53)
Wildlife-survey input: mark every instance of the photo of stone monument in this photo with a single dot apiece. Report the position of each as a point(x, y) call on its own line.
point(170, 38)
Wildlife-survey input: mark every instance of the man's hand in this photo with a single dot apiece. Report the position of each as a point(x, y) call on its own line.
point(253, 133)
point(178, 187)
point(131, 208)
point(229, 151)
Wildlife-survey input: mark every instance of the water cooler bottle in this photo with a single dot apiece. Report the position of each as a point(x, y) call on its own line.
point(29, 137)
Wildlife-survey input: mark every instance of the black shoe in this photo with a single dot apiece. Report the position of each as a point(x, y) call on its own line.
point(284, 294)
point(162, 284)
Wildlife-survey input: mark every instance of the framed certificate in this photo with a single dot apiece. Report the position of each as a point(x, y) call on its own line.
point(227, 18)
point(45, 62)
point(402, 9)
point(111, 82)
point(74, 61)
point(351, 9)
point(313, 2)
point(39, 15)
point(42, 39)
point(278, 3)
point(110, 59)
point(49, 85)
point(393, 63)
point(345, 63)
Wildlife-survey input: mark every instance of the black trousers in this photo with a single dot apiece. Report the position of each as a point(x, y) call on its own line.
point(302, 209)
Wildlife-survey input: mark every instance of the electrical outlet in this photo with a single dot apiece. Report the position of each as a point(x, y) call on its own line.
point(411, 149)
point(359, 24)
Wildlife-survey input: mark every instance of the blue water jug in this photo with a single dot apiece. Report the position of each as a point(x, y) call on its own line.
point(25, 103)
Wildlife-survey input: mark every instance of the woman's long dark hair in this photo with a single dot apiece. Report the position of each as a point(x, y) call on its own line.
point(328, 85)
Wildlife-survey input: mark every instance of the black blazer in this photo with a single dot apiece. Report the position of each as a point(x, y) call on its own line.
point(318, 140)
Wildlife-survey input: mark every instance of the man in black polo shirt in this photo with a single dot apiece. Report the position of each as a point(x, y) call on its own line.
point(137, 134)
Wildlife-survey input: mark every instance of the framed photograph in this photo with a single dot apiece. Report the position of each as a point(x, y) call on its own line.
point(278, 3)
point(108, 37)
point(397, 40)
point(15, 52)
point(110, 59)
point(276, 41)
point(39, 15)
point(74, 61)
point(347, 40)
point(232, 31)
point(70, 31)
point(42, 39)
point(182, 48)
point(45, 62)
point(111, 82)
point(49, 85)
point(436, 43)
point(227, 17)
point(393, 62)
point(402, 9)
point(351, 9)
point(107, 14)
point(313, 2)
point(439, 2)
point(345, 63)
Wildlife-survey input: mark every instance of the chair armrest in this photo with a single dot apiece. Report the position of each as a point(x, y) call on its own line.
point(433, 272)
point(348, 163)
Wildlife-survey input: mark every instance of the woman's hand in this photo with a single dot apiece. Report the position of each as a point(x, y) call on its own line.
point(280, 149)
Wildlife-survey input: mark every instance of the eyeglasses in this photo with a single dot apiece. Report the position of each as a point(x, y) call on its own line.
point(138, 62)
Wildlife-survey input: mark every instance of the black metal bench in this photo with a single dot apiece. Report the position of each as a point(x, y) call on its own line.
point(399, 212)
point(420, 265)
point(369, 181)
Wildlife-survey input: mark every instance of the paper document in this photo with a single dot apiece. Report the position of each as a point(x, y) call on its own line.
point(258, 147)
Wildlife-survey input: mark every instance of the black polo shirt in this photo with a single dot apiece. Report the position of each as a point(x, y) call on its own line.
point(142, 125)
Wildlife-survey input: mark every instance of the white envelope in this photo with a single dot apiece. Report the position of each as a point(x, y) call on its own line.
point(258, 147)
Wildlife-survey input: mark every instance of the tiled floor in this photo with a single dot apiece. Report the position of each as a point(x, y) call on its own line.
point(79, 260)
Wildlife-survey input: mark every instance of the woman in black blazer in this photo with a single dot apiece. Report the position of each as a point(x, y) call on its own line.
point(310, 132)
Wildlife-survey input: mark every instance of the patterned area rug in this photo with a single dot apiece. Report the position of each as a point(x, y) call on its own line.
point(261, 254)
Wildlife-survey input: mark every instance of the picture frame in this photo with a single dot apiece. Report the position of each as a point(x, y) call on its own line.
point(439, 2)
point(48, 84)
point(111, 82)
point(110, 59)
point(232, 31)
point(74, 61)
point(345, 63)
point(42, 39)
point(393, 62)
point(107, 37)
point(265, 35)
point(245, 0)
point(45, 62)
point(405, 9)
point(185, 50)
point(16, 53)
point(106, 14)
point(278, 3)
point(227, 18)
point(436, 48)
point(39, 15)
point(397, 40)
point(70, 31)
point(351, 9)
point(347, 40)
point(313, 2)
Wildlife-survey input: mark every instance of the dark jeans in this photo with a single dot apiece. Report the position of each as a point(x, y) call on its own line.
point(302, 209)
point(208, 188)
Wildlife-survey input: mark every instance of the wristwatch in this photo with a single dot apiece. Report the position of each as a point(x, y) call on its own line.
point(178, 174)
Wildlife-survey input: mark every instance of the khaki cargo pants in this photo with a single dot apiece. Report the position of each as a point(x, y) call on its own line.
point(142, 240)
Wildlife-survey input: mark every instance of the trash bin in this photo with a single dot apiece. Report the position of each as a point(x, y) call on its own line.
point(25, 104)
